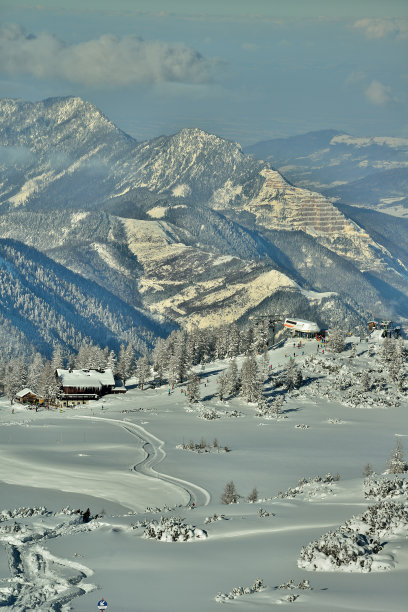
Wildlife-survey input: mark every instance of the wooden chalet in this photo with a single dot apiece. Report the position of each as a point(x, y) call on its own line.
point(26, 396)
point(80, 386)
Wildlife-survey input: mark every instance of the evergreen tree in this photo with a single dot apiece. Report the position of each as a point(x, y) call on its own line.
point(233, 341)
point(365, 381)
point(230, 495)
point(160, 359)
point(111, 361)
point(222, 386)
point(57, 360)
point(396, 463)
point(173, 371)
point(292, 375)
point(125, 365)
point(49, 386)
point(231, 379)
point(387, 350)
point(251, 386)
point(180, 358)
point(14, 378)
point(34, 373)
point(142, 370)
point(193, 388)
point(336, 341)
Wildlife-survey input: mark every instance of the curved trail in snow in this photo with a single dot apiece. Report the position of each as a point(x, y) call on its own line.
point(155, 454)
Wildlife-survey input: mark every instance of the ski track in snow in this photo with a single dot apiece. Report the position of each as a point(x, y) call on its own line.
point(37, 580)
point(155, 454)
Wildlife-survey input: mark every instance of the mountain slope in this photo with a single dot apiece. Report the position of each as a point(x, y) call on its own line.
point(186, 227)
point(50, 304)
point(358, 170)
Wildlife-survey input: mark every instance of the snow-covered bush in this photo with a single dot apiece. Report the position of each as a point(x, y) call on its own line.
point(303, 585)
point(215, 517)
point(23, 512)
point(204, 447)
point(236, 592)
point(172, 529)
point(208, 413)
point(263, 513)
point(339, 550)
point(380, 487)
point(352, 546)
point(310, 485)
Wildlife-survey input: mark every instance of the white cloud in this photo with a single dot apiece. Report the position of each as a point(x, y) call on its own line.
point(381, 27)
point(107, 60)
point(379, 94)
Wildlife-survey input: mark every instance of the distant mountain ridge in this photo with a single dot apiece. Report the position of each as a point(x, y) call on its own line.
point(362, 171)
point(185, 228)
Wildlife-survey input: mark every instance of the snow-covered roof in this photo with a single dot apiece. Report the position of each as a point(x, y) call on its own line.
point(24, 392)
point(85, 379)
point(302, 325)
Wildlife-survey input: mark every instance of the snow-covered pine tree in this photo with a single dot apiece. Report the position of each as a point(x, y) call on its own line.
point(125, 365)
point(292, 375)
point(395, 362)
point(142, 371)
point(221, 342)
point(111, 361)
point(57, 360)
point(230, 495)
point(233, 341)
point(251, 386)
point(193, 388)
point(232, 379)
point(222, 386)
point(84, 357)
point(365, 381)
point(160, 359)
point(34, 373)
point(261, 335)
point(336, 341)
point(180, 358)
point(15, 378)
point(397, 463)
point(173, 371)
point(48, 385)
point(387, 350)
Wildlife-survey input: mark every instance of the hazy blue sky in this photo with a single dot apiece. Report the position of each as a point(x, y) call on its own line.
point(245, 70)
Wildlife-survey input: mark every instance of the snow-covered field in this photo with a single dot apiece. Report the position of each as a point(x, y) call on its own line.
point(124, 459)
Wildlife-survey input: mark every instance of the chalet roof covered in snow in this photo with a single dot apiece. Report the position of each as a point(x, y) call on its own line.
point(24, 392)
point(86, 379)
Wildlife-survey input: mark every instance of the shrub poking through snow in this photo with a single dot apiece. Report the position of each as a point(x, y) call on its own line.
point(263, 513)
point(312, 486)
point(215, 517)
point(204, 447)
point(380, 487)
point(303, 585)
point(353, 546)
point(236, 592)
point(172, 529)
